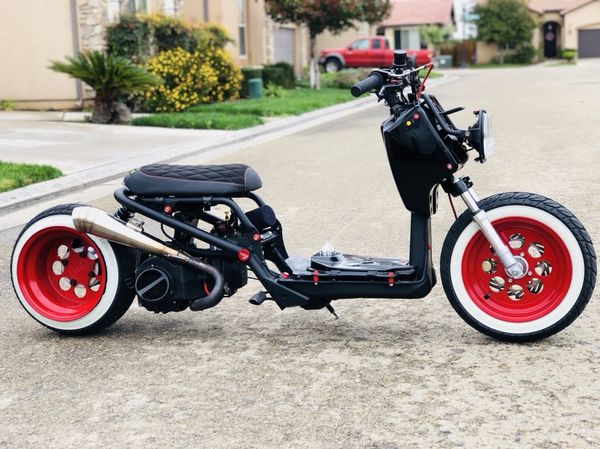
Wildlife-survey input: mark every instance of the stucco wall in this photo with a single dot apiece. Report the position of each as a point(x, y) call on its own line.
point(486, 52)
point(586, 17)
point(32, 32)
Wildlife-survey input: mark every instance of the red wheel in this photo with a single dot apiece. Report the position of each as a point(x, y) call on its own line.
point(62, 273)
point(553, 246)
point(68, 280)
point(545, 284)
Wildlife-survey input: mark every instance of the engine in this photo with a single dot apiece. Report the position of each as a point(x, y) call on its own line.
point(163, 286)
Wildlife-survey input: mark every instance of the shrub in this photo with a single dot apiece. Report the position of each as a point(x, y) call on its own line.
point(568, 54)
point(191, 78)
point(130, 37)
point(139, 38)
point(199, 120)
point(170, 32)
point(109, 76)
point(281, 74)
point(212, 32)
point(229, 76)
point(273, 90)
point(249, 73)
point(7, 105)
point(523, 54)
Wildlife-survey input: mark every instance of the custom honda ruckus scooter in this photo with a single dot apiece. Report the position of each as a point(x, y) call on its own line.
point(515, 266)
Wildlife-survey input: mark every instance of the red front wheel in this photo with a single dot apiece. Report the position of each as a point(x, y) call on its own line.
point(69, 281)
point(548, 240)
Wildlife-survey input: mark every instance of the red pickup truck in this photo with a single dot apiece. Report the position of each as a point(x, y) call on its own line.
point(367, 52)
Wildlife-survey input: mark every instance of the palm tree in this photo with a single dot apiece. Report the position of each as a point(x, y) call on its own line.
point(109, 76)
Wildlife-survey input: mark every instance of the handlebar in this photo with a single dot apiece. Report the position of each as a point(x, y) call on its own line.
point(373, 81)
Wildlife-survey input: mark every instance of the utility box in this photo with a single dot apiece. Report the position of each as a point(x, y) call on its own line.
point(443, 61)
point(255, 88)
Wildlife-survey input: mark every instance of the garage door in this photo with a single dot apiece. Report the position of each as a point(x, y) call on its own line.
point(284, 45)
point(589, 43)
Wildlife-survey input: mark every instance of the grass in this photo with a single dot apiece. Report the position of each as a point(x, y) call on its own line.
point(14, 176)
point(292, 102)
point(238, 114)
point(199, 120)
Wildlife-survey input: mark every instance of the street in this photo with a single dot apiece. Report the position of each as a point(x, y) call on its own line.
point(389, 373)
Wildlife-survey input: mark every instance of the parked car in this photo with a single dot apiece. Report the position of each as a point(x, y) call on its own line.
point(367, 52)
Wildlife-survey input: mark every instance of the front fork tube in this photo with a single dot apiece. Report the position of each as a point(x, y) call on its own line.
point(513, 266)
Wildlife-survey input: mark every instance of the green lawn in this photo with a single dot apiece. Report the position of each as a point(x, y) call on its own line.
point(292, 102)
point(240, 114)
point(199, 120)
point(13, 176)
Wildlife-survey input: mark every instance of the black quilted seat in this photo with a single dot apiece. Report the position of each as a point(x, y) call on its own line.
point(192, 180)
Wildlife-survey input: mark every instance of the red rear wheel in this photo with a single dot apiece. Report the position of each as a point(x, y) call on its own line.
point(548, 240)
point(67, 280)
point(62, 273)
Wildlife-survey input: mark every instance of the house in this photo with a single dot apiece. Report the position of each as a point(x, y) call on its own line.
point(562, 24)
point(32, 32)
point(408, 16)
point(567, 24)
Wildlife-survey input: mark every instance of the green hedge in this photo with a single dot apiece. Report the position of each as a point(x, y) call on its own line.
point(280, 74)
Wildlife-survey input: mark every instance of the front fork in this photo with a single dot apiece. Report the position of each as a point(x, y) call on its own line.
point(515, 267)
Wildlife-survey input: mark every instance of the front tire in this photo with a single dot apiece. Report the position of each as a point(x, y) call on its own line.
point(557, 286)
point(332, 65)
point(70, 282)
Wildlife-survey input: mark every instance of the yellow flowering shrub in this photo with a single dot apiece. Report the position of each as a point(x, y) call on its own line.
point(204, 76)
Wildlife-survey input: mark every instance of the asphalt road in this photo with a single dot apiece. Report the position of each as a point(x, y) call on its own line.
point(390, 373)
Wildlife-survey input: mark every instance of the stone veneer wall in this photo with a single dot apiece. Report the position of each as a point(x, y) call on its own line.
point(92, 16)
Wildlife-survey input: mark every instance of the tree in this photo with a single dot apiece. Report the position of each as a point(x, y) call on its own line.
point(331, 15)
point(435, 36)
point(109, 76)
point(506, 23)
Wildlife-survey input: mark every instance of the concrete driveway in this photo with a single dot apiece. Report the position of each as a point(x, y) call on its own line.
point(390, 373)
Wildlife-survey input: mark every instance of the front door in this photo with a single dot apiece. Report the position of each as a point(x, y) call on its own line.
point(550, 32)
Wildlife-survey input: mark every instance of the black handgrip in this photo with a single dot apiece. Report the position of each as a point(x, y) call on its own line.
point(373, 81)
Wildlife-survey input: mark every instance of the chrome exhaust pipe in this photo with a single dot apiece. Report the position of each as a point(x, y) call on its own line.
point(97, 222)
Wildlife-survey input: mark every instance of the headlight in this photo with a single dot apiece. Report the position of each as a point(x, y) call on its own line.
point(480, 136)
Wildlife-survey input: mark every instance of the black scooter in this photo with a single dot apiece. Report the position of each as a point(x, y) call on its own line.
point(515, 266)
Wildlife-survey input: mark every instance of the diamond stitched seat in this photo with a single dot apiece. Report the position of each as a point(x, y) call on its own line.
point(193, 180)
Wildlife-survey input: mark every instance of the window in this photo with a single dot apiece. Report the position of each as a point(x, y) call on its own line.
point(361, 44)
point(114, 8)
point(242, 28)
point(169, 7)
point(376, 43)
point(137, 6)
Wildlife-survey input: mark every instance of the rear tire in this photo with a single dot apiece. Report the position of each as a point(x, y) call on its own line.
point(559, 281)
point(70, 282)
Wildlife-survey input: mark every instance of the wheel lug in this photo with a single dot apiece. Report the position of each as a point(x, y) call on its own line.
point(91, 274)
point(65, 262)
point(73, 282)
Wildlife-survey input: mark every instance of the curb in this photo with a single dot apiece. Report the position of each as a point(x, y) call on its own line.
point(14, 199)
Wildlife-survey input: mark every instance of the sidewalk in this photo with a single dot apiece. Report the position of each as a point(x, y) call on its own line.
point(92, 154)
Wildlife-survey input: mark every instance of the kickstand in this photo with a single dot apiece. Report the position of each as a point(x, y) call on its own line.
point(333, 312)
